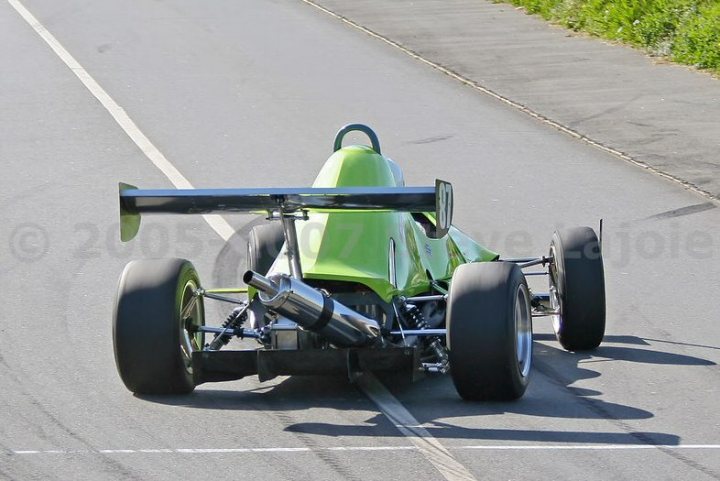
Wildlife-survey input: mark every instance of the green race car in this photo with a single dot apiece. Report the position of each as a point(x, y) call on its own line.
point(357, 273)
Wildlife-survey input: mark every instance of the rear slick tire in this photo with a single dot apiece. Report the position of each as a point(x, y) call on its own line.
point(264, 245)
point(489, 331)
point(153, 343)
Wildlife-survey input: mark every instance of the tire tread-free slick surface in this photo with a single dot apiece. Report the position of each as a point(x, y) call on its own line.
point(482, 331)
point(579, 277)
point(264, 244)
point(250, 94)
point(146, 326)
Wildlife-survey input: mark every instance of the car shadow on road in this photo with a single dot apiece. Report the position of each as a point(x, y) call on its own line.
point(289, 400)
point(632, 354)
point(438, 409)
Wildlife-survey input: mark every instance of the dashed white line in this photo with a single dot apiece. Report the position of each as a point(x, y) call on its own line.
point(372, 448)
point(591, 447)
point(213, 451)
point(351, 449)
point(428, 446)
point(423, 442)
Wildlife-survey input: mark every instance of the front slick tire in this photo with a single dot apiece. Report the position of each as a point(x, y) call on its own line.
point(153, 344)
point(577, 289)
point(489, 331)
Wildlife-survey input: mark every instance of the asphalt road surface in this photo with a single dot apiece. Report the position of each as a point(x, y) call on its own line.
point(250, 94)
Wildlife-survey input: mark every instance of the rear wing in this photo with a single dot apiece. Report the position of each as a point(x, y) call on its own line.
point(134, 201)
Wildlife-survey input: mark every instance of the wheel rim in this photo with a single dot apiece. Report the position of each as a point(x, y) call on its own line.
point(523, 330)
point(190, 315)
point(554, 294)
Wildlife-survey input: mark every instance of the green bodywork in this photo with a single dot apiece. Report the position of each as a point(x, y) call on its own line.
point(355, 246)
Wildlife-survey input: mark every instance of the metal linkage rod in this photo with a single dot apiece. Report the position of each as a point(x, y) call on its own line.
point(209, 295)
point(292, 246)
point(541, 260)
point(519, 260)
point(420, 332)
point(438, 297)
point(246, 333)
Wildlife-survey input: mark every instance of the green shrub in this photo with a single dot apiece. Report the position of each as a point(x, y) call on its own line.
point(697, 41)
point(686, 30)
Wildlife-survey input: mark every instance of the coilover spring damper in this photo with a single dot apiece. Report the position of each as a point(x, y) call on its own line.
point(413, 316)
point(415, 320)
point(232, 324)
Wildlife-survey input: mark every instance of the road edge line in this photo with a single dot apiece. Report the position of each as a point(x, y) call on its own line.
point(516, 105)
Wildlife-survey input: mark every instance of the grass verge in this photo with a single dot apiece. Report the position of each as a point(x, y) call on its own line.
point(685, 31)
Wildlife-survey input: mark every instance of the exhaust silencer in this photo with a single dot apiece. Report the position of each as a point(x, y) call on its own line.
point(315, 312)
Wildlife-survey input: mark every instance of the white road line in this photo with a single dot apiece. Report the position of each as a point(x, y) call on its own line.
point(429, 447)
point(591, 447)
point(350, 449)
point(438, 456)
point(218, 451)
point(516, 105)
point(391, 407)
point(423, 441)
point(219, 225)
point(372, 448)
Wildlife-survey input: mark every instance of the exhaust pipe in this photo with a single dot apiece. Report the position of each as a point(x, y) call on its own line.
point(315, 312)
